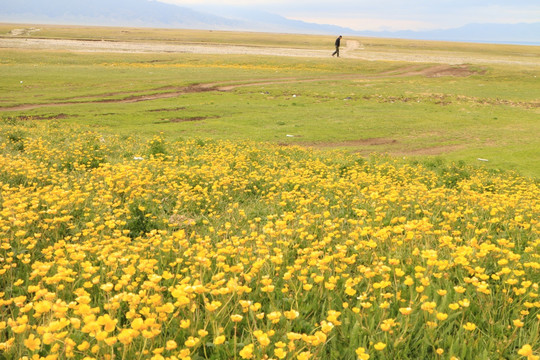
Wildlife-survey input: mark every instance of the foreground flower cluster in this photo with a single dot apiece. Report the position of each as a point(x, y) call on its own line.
point(115, 249)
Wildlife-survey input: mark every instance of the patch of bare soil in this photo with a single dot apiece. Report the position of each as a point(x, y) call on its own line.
point(164, 95)
point(185, 119)
point(195, 118)
point(403, 70)
point(168, 109)
point(519, 104)
point(351, 45)
point(89, 97)
point(23, 32)
point(352, 49)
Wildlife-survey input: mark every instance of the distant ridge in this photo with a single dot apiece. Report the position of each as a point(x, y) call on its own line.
point(149, 13)
point(111, 13)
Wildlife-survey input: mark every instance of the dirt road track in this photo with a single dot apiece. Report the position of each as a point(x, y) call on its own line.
point(414, 70)
point(351, 50)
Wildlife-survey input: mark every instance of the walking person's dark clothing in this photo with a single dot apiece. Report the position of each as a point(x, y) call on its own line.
point(338, 43)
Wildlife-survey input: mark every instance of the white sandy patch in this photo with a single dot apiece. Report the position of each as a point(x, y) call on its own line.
point(351, 50)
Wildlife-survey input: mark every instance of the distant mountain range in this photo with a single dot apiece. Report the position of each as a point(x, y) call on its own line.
point(149, 13)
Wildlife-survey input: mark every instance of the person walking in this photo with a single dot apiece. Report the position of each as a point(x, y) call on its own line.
point(338, 43)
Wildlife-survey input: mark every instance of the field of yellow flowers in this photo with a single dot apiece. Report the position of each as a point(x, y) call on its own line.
point(116, 248)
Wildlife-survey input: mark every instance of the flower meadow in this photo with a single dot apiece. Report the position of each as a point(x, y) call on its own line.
point(113, 247)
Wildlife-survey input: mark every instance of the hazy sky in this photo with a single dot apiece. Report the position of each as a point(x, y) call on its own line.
point(389, 14)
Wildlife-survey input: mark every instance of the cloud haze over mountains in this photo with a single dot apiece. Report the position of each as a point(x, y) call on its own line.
point(145, 13)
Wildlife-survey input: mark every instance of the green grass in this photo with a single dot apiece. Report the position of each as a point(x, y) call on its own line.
point(491, 114)
point(134, 208)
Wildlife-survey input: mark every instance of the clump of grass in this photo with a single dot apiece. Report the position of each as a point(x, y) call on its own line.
point(156, 146)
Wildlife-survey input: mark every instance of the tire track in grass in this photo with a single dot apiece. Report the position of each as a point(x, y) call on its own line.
point(415, 70)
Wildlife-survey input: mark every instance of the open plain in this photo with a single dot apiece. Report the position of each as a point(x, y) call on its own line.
point(174, 194)
point(463, 101)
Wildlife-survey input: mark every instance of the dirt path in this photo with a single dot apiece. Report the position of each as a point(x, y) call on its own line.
point(352, 50)
point(165, 93)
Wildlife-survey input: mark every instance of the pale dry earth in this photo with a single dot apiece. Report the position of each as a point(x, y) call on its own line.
point(352, 50)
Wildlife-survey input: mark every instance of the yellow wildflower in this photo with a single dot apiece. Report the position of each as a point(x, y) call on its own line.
point(32, 343)
point(361, 353)
point(247, 352)
point(219, 340)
